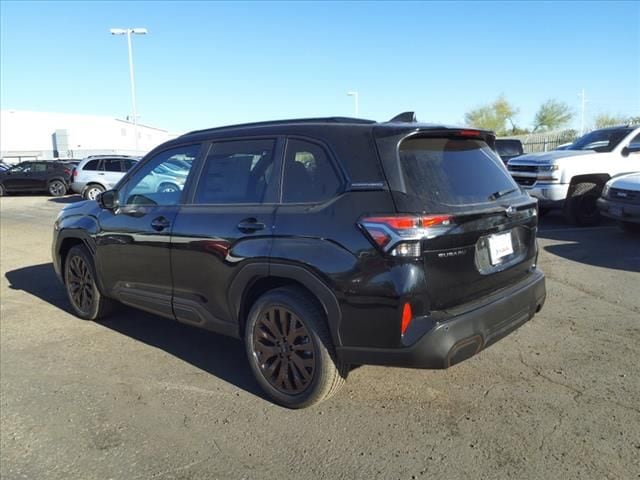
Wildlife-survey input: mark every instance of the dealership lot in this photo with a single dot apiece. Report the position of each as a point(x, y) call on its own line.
point(137, 396)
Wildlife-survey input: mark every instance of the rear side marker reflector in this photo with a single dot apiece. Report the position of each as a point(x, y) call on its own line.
point(407, 315)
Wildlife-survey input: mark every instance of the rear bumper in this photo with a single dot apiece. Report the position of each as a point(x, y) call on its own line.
point(472, 330)
point(625, 212)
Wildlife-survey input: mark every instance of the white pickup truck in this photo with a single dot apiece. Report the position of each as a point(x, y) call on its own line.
point(573, 178)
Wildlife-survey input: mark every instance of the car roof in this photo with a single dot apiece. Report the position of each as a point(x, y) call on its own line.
point(352, 140)
point(311, 124)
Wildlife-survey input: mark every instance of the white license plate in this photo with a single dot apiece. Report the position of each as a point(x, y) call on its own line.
point(500, 246)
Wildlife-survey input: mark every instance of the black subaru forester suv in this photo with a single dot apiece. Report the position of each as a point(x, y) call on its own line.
point(323, 243)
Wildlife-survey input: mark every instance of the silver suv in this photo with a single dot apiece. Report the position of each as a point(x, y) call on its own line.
point(98, 173)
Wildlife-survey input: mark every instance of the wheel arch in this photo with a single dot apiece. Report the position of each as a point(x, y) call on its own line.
point(93, 183)
point(68, 239)
point(597, 178)
point(62, 179)
point(258, 278)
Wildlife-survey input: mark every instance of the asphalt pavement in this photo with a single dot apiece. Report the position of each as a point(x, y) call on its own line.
point(139, 397)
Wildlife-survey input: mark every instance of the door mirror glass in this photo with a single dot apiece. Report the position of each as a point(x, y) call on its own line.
point(108, 200)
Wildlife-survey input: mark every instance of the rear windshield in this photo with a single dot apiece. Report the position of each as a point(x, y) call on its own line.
point(509, 147)
point(449, 171)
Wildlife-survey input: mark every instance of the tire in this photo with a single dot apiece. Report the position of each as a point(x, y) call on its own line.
point(86, 299)
point(630, 227)
point(542, 211)
point(298, 369)
point(581, 207)
point(168, 188)
point(92, 192)
point(57, 188)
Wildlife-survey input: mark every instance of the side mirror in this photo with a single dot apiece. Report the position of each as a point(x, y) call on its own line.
point(109, 200)
point(630, 149)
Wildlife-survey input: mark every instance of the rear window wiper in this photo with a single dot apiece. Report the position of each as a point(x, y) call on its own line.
point(502, 193)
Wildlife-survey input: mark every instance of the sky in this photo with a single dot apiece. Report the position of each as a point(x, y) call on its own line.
point(206, 64)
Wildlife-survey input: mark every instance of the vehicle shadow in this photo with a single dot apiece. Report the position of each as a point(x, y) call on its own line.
point(218, 355)
point(67, 199)
point(604, 246)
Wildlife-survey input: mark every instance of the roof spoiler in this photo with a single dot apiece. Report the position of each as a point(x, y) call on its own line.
point(405, 117)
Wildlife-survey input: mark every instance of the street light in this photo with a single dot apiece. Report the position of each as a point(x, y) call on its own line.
point(128, 32)
point(354, 94)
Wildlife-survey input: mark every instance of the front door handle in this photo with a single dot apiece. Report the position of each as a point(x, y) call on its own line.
point(249, 225)
point(159, 224)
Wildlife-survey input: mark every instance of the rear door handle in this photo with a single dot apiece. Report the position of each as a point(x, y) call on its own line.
point(159, 224)
point(249, 225)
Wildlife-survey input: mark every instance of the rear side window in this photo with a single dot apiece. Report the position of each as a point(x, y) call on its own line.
point(91, 165)
point(111, 165)
point(309, 176)
point(39, 167)
point(449, 171)
point(236, 172)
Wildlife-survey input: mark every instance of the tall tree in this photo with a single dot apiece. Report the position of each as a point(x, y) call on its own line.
point(494, 116)
point(552, 115)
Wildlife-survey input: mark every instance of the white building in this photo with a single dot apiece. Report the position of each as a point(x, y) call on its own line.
point(27, 135)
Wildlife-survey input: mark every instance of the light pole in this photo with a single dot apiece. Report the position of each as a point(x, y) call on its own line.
point(128, 32)
point(354, 94)
point(583, 100)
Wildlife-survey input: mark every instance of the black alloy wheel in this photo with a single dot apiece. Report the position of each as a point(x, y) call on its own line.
point(290, 348)
point(284, 350)
point(80, 281)
point(80, 284)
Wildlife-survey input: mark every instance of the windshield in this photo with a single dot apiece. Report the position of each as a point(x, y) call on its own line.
point(600, 140)
point(445, 171)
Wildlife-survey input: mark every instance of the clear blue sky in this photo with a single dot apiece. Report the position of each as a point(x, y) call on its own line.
point(206, 64)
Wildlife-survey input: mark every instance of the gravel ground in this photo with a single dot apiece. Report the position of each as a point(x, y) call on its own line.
point(137, 396)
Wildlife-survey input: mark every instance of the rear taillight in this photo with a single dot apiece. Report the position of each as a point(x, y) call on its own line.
point(75, 172)
point(67, 171)
point(400, 235)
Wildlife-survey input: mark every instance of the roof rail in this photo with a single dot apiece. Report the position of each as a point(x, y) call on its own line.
point(289, 121)
point(404, 117)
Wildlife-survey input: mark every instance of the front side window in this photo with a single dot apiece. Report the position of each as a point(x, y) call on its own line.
point(236, 172)
point(155, 184)
point(21, 168)
point(309, 176)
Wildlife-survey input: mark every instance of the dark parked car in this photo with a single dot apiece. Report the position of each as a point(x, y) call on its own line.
point(322, 243)
point(508, 148)
point(37, 176)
